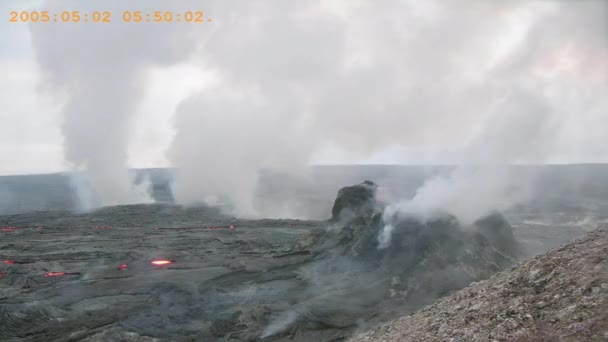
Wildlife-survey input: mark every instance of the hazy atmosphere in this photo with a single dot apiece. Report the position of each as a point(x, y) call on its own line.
point(296, 171)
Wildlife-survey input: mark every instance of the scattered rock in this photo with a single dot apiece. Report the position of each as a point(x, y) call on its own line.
point(564, 311)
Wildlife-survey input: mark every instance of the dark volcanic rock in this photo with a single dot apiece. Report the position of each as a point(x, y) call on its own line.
point(558, 296)
point(427, 259)
point(223, 326)
point(499, 232)
point(424, 260)
point(354, 201)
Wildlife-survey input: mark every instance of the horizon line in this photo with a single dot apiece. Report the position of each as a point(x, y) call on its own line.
point(338, 165)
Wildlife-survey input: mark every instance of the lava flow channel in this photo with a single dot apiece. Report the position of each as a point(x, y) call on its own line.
point(60, 274)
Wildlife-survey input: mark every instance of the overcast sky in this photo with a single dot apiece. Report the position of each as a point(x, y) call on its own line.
point(518, 46)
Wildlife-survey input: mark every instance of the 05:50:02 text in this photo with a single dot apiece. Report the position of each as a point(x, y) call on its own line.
point(167, 17)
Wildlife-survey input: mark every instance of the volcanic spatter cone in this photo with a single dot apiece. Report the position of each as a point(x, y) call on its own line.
point(425, 258)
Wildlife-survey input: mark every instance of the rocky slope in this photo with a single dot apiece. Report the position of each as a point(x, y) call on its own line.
point(559, 296)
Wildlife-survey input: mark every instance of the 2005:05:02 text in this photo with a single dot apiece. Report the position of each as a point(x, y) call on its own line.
point(106, 17)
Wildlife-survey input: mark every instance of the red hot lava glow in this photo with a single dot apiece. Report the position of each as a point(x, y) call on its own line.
point(54, 274)
point(161, 262)
point(221, 227)
point(8, 262)
point(123, 267)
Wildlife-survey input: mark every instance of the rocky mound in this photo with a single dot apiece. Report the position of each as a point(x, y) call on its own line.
point(425, 259)
point(352, 202)
point(559, 296)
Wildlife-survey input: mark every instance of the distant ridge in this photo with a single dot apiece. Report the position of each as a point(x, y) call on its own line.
point(575, 187)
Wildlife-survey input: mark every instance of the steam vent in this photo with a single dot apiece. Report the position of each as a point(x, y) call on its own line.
point(256, 280)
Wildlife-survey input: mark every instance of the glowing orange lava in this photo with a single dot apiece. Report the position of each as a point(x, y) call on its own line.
point(161, 262)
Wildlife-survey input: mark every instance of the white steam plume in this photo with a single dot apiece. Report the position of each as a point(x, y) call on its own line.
point(99, 69)
point(81, 186)
point(280, 324)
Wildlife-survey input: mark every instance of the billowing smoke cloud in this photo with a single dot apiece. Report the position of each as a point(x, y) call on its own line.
point(508, 82)
point(543, 102)
point(98, 68)
point(517, 130)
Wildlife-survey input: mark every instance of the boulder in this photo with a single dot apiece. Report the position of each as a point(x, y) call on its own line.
point(354, 202)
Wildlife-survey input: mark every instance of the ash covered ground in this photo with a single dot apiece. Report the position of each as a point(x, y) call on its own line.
point(561, 295)
point(90, 277)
